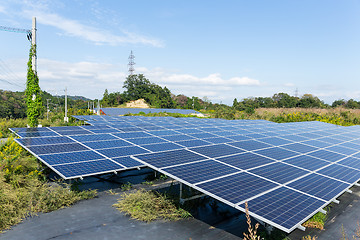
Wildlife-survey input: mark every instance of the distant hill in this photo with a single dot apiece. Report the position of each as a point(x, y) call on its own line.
point(76, 98)
point(13, 104)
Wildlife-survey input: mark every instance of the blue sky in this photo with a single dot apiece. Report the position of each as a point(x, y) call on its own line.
point(218, 49)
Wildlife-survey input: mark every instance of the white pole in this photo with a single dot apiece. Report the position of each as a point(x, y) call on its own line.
point(33, 42)
point(47, 109)
point(66, 119)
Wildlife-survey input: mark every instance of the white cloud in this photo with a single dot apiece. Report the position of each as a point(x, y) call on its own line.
point(98, 36)
point(2, 9)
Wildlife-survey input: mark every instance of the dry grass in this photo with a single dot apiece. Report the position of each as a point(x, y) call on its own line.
point(252, 232)
point(148, 206)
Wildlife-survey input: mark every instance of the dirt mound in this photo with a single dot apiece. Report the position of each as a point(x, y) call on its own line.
point(140, 103)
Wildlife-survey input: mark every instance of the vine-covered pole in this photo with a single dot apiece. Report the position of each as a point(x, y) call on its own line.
point(33, 42)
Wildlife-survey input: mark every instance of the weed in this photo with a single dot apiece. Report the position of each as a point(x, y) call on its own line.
point(252, 231)
point(126, 186)
point(23, 189)
point(316, 221)
point(308, 237)
point(148, 183)
point(148, 206)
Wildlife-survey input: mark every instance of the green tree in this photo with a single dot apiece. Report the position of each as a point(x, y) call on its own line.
point(105, 100)
point(32, 92)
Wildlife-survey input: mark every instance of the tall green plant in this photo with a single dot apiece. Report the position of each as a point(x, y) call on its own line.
point(33, 98)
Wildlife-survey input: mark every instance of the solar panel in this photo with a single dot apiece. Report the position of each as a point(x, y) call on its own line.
point(287, 172)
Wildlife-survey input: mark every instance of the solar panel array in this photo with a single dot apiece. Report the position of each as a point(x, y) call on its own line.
point(123, 111)
point(286, 172)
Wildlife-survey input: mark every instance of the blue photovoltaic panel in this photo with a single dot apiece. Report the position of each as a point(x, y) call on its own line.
point(110, 130)
point(250, 145)
point(170, 158)
point(123, 151)
point(200, 171)
point(132, 135)
point(159, 147)
point(94, 137)
point(295, 138)
point(316, 143)
point(43, 141)
point(319, 186)
point(73, 132)
point(279, 172)
point(194, 162)
point(275, 141)
point(219, 150)
point(307, 162)
point(163, 133)
point(298, 147)
point(327, 155)
point(239, 138)
point(351, 162)
point(340, 172)
point(58, 148)
point(277, 153)
point(203, 135)
point(284, 207)
point(238, 187)
point(71, 157)
point(217, 140)
point(175, 138)
point(65, 128)
point(147, 140)
point(37, 134)
point(29, 130)
point(128, 162)
point(245, 160)
point(193, 143)
point(107, 144)
point(342, 150)
point(87, 168)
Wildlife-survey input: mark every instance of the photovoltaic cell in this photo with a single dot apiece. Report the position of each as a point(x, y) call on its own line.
point(284, 207)
point(350, 162)
point(200, 171)
point(340, 172)
point(58, 148)
point(245, 160)
point(250, 145)
point(307, 162)
point(299, 147)
point(238, 187)
point(193, 143)
point(327, 155)
point(128, 162)
point(159, 147)
point(219, 150)
point(277, 153)
point(43, 141)
point(107, 144)
point(94, 137)
point(279, 172)
point(87, 168)
point(123, 151)
point(71, 157)
point(163, 159)
point(319, 186)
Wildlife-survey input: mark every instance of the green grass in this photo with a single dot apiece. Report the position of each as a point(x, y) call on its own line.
point(24, 190)
point(148, 206)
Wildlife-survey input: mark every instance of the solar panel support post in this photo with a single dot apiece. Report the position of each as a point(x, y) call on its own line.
point(66, 119)
point(349, 191)
point(183, 200)
point(267, 226)
point(357, 184)
point(323, 211)
point(301, 227)
point(336, 201)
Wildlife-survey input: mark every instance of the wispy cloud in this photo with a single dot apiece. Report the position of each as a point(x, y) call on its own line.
point(98, 36)
point(47, 14)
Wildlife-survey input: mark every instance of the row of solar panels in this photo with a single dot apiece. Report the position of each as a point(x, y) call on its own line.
point(287, 172)
point(123, 111)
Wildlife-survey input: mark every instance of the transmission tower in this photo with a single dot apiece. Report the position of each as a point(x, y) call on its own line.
point(296, 92)
point(131, 63)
